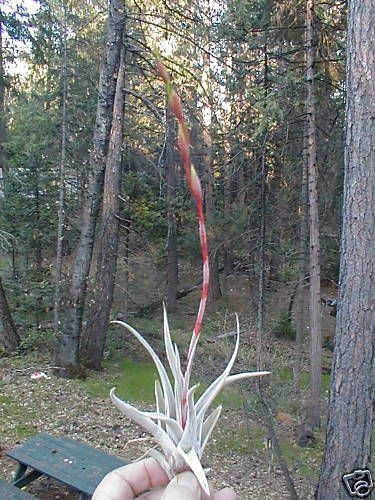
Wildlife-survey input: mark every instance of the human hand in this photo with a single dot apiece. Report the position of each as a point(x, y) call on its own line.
point(147, 480)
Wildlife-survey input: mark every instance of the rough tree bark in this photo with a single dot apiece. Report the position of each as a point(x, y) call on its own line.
point(228, 174)
point(300, 292)
point(37, 232)
point(214, 291)
point(2, 112)
point(351, 400)
point(9, 338)
point(126, 262)
point(67, 356)
point(170, 177)
point(261, 265)
point(101, 303)
point(61, 208)
point(314, 406)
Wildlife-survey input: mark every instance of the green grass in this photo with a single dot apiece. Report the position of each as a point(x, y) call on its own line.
point(135, 381)
point(238, 440)
point(15, 419)
point(248, 441)
point(306, 460)
point(286, 374)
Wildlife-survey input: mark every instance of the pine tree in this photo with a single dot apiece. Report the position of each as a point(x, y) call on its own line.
point(351, 399)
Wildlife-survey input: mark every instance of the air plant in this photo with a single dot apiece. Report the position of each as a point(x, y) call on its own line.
point(180, 425)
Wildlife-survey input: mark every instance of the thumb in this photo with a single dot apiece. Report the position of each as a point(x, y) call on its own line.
point(183, 487)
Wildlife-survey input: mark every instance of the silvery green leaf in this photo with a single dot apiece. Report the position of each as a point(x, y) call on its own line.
point(242, 376)
point(209, 426)
point(210, 394)
point(144, 421)
point(195, 465)
point(172, 354)
point(189, 437)
point(168, 394)
point(159, 397)
point(182, 445)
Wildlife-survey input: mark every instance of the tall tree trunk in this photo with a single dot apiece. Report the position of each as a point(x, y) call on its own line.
point(314, 412)
point(351, 400)
point(61, 209)
point(3, 136)
point(125, 303)
point(214, 291)
point(228, 172)
point(37, 233)
point(300, 293)
point(170, 175)
point(67, 356)
point(9, 338)
point(228, 257)
point(101, 303)
point(261, 266)
point(262, 235)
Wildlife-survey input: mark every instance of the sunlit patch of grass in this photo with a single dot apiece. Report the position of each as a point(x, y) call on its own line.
point(134, 381)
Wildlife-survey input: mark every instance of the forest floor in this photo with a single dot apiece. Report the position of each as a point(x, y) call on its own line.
point(237, 454)
point(82, 410)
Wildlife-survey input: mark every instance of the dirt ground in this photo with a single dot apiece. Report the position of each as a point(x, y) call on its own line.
point(235, 456)
point(63, 407)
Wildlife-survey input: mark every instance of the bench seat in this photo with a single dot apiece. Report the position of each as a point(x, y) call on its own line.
point(10, 492)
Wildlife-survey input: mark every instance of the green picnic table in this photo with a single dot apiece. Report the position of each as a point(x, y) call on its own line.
point(10, 492)
point(71, 462)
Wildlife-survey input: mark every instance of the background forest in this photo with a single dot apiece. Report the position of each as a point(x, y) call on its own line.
point(96, 221)
point(241, 73)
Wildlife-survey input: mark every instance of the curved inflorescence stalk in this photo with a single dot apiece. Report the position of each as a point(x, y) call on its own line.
point(196, 192)
point(180, 425)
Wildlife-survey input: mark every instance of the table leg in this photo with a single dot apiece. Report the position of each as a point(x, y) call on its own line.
point(27, 478)
point(83, 496)
point(20, 472)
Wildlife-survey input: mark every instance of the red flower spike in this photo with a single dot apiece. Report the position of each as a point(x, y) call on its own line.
point(196, 191)
point(180, 425)
point(162, 70)
point(185, 155)
point(176, 106)
point(196, 188)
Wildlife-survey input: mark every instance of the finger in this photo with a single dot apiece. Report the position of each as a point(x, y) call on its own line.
point(129, 481)
point(225, 494)
point(183, 487)
point(152, 495)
